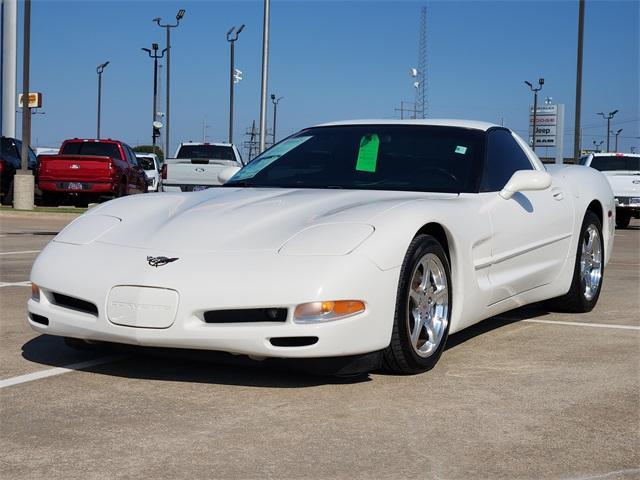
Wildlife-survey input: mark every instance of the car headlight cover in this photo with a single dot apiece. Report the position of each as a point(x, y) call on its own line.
point(327, 239)
point(86, 229)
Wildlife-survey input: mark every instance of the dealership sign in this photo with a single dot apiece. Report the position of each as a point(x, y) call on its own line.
point(549, 128)
point(35, 100)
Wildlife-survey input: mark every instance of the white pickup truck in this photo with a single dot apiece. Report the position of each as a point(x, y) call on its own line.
point(196, 166)
point(623, 172)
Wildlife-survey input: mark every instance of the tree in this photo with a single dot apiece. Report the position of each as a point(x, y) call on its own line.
point(149, 149)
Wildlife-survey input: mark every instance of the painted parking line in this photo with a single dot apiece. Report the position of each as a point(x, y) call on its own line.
point(30, 377)
point(15, 284)
point(23, 252)
point(583, 324)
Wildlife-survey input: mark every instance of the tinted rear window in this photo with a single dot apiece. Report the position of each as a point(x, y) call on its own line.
point(92, 148)
point(217, 152)
point(618, 162)
point(146, 163)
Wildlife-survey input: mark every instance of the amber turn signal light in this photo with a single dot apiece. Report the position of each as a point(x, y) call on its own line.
point(35, 292)
point(328, 310)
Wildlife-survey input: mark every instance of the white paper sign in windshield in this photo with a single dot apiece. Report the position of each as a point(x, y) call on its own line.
point(268, 157)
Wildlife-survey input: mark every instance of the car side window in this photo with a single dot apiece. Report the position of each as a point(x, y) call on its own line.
point(504, 157)
point(131, 157)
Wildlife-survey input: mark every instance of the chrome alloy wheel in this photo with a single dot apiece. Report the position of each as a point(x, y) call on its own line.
point(591, 262)
point(428, 305)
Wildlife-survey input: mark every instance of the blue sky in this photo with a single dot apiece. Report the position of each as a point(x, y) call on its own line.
point(331, 60)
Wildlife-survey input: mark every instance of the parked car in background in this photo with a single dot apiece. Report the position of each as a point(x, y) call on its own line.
point(87, 169)
point(623, 172)
point(10, 161)
point(151, 166)
point(196, 166)
point(47, 151)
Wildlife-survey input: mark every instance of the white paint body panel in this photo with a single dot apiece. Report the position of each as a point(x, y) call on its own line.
point(269, 247)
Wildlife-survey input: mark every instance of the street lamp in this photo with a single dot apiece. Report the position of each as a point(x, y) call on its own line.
point(535, 91)
point(608, 118)
point(617, 133)
point(596, 145)
point(275, 101)
point(99, 71)
point(153, 53)
point(168, 27)
point(232, 36)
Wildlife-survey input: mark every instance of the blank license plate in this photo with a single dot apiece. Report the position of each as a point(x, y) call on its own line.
point(74, 186)
point(198, 188)
point(635, 201)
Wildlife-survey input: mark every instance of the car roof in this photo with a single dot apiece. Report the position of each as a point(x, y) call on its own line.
point(441, 122)
point(217, 144)
point(615, 154)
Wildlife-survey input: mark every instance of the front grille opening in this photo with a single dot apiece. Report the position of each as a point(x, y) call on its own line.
point(293, 341)
point(38, 319)
point(74, 303)
point(246, 315)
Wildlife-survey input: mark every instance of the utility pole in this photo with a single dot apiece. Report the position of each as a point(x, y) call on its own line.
point(275, 101)
point(265, 76)
point(576, 127)
point(155, 132)
point(535, 91)
point(231, 38)
point(168, 27)
point(608, 118)
point(99, 71)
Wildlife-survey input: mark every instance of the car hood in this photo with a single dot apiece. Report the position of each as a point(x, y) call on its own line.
point(241, 219)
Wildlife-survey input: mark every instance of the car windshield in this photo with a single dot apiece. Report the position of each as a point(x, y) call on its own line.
point(216, 152)
point(617, 162)
point(146, 163)
point(371, 157)
point(101, 149)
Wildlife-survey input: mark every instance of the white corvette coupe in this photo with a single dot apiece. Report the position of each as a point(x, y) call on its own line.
point(366, 242)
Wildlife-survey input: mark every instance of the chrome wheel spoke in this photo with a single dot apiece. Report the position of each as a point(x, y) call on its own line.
point(427, 305)
point(591, 262)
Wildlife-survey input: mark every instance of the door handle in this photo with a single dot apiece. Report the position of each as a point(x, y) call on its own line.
point(557, 194)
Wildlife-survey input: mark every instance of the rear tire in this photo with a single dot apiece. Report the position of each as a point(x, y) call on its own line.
point(423, 309)
point(7, 198)
point(122, 189)
point(588, 271)
point(623, 220)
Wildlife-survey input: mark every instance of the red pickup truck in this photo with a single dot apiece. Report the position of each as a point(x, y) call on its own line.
point(87, 169)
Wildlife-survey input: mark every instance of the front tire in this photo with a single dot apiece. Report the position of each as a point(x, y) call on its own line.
point(423, 309)
point(588, 271)
point(7, 199)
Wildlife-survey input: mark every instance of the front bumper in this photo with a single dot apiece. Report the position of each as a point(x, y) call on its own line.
point(216, 281)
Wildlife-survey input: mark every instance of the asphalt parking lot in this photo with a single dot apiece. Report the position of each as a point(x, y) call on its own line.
point(527, 395)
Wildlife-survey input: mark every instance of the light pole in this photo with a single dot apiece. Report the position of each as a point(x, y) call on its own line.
point(275, 101)
point(232, 36)
point(154, 54)
point(576, 126)
point(24, 181)
point(608, 117)
point(617, 133)
point(265, 76)
point(596, 145)
point(99, 71)
point(168, 27)
point(535, 91)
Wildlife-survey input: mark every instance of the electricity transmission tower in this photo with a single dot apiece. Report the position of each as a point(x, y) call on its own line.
point(421, 79)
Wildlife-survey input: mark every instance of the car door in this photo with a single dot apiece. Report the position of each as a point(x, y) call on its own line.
point(137, 180)
point(531, 230)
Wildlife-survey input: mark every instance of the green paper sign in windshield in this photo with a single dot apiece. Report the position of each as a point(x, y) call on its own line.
point(368, 153)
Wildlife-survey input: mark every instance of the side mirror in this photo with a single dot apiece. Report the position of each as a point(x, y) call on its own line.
point(523, 180)
point(225, 174)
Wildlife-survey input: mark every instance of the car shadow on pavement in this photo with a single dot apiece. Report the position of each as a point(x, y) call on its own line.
point(177, 365)
point(513, 316)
